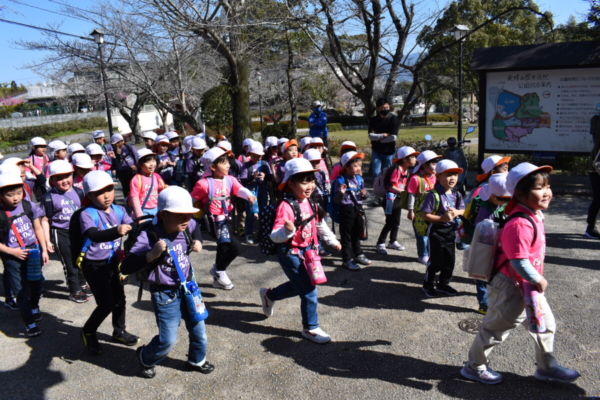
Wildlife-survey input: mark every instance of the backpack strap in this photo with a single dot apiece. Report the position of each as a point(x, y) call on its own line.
point(527, 217)
point(299, 223)
point(48, 205)
point(93, 212)
point(79, 192)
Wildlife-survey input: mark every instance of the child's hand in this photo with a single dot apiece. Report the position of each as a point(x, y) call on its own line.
point(45, 257)
point(111, 154)
point(251, 199)
point(363, 192)
point(123, 229)
point(289, 225)
point(343, 188)
point(260, 176)
point(50, 247)
point(446, 217)
point(338, 246)
point(411, 215)
point(159, 248)
point(541, 287)
point(19, 253)
point(197, 246)
point(452, 212)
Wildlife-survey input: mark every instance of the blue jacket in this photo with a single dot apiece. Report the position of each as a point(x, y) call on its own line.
point(319, 129)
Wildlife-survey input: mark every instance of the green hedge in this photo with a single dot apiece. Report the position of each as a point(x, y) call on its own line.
point(300, 124)
point(436, 118)
point(277, 130)
point(26, 133)
point(344, 120)
point(334, 127)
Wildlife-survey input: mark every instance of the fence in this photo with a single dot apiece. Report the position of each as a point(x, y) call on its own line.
point(47, 119)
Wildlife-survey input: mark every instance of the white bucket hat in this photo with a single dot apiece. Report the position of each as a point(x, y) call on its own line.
point(348, 145)
point(211, 155)
point(98, 134)
point(305, 141)
point(317, 141)
point(187, 143)
point(13, 161)
point(281, 140)
point(161, 139)
point(312, 155)
point(496, 186)
point(74, 147)
point(247, 142)
point(96, 180)
point(271, 141)
point(447, 166)
point(405, 151)
point(59, 167)
point(171, 135)
point(149, 135)
point(57, 145)
point(80, 160)
point(116, 138)
point(94, 149)
point(351, 155)
point(256, 148)
point(37, 141)
point(423, 158)
point(10, 179)
point(521, 171)
point(144, 153)
point(201, 135)
point(225, 146)
point(198, 144)
point(296, 166)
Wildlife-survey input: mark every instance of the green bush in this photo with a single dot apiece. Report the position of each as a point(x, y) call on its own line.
point(277, 130)
point(255, 126)
point(436, 118)
point(335, 127)
point(26, 133)
point(300, 124)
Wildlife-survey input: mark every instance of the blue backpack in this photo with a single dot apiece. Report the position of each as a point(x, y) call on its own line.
point(332, 208)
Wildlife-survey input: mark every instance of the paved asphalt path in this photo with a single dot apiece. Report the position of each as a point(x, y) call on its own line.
point(389, 341)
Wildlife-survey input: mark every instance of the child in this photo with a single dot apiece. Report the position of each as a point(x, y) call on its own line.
point(289, 151)
point(194, 169)
point(82, 165)
point(173, 222)
point(294, 241)
point(235, 171)
point(322, 187)
point(20, 232)
point(492, 165)
point(108, 150)
point(395, 181)
point(245, 157)
point(214, 193)
point(441, 208)
point(99, 266)
point(34, 180)
point(37, 155)
point(145, 186)
point(174, 144)
point(149, 139)
point(59, 205)
point(124, 161)
point(421, 181)
point(98, 158)
point(345, 148)
point(271, 153)
point(317, 144)
point(57, 150)
point(304, 143)
point(519, 262)
point(349, 192)
point(494, 197)
point(256, 177)
point(74, 148)
point(166, 161)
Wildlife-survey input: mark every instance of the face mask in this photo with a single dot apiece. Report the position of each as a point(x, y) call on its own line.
point(318, 109)
point(384, 112)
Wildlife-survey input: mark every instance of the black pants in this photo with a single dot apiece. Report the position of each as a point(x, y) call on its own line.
point(227, 252)
point(349, 232)
point(109, 294)
point(441, 253)
point(392, 222)
point(124, 176)
point(595, 206)
point(62, 245)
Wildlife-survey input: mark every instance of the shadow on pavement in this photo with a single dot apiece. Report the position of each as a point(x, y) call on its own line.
point(352, 360)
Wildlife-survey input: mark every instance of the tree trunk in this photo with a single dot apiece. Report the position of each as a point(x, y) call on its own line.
point(239, 80)
point(290, 80)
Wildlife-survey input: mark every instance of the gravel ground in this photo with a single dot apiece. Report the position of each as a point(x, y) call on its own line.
point(389, 341)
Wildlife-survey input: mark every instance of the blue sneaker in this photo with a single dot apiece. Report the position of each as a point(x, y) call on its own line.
point(486, 376)
point(559, 374)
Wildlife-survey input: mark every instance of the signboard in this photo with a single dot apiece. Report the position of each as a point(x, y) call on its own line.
point(541, 110)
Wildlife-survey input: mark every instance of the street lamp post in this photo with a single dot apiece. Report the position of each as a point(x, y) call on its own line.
point(99, 39)
point(260, 100)
point(460, 31)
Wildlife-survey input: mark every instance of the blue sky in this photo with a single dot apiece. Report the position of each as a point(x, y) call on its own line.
point(14, 58)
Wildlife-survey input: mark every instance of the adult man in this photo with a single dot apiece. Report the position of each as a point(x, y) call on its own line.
point(594, 209)
point(317, 122)
point(383, 132)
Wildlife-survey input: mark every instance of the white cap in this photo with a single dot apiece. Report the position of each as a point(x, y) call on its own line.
point(447, 166)
point(177, 200)
point(489, 164)
point(521, 171)
point(423, 158)
point(187, 143)
point(305, 141)
point(201, 135)
point(161, 139)
point(282, 140)
point(316, 141)
point(256, 148)
point(224, 145)
point(59, 167)
point(406, 151)
point(211, 155)
point(172, 135)
point(312, 155)
point(281, 143)
point(82, 161)
point(198, 144)
point(10, 179)
point(247, 142)
point(94, 149)
point(149, 135)
point(296, 166)
point(10, 169)
point(116, 138)
point(350, 156)
point(98, 134)
point(13, 161)
point(144, 153)
point(496, 186)
point(96, 180)
point(57, 145)
point(37, 141)
point(348, 145)
point(270, 141)
point(73, 147)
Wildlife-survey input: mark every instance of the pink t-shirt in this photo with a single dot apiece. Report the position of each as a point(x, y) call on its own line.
point(221, 189)
point(304, 237)
point(399, 178)
point(38, 162)
point(323, 167)
point(138, 189)
point(515, 243)
point(335, 171)
point(413, 183)
point(77, 181)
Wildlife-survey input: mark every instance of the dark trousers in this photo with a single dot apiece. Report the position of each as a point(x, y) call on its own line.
point(595, 205)
point(349, 231)
point(28, 292)
point(62, 245)
point(227, 252)
point(441, 253)
point(109, 294)
point(392, 222)
point(124, 176)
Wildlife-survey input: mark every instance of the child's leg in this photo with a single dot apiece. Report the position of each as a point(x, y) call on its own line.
point(448, 253)
point(240, 207)
point(436, 254)
point(8, 277)
point(197, 338)
point(249, 224)
point(396, 215)
point(62, 244)
point(356, 247)
point(422, 244)
point(119, 309)
point(346, 223)
point(99, 277)
point(167, 309)
point(24, 290)
point(227, 252)
point(386, 229)
point(482, 296)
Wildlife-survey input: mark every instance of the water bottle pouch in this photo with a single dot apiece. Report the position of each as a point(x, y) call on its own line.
point(314, 268)
point(34, 263)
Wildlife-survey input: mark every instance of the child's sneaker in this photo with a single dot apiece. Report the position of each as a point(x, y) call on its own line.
point(429, 290)
point(325, 253)
point(363, 260)
point(221, 279)
point(482, 310)
point(33, 330)
point(559, 374)
point(205, 368)
point(380, 248)
point(125, 338)
point(147, 372)
point(447, 289)
point(37, 316)
point(87, 291)
point(423, 260)
point(316, 335)
point(487, 376)
point(395, 246)
point(249, 239)
point(267, 304)
point(90, 340)
point(351, 265)
point(592, 233)
point(11, 304)
point(80, 297)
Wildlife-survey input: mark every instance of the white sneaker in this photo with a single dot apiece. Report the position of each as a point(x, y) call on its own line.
point(395, 246)
point(267, 304)
point(249, 239)
point(380, 248)
point(316, 335)
point(221, 280)
point(423, 260)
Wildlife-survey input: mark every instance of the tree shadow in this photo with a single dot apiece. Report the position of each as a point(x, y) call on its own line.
point(351, 360)
point(572, 262)
point(563, 240)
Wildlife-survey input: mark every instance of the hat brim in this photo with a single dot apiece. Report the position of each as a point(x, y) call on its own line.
point(86, 166)
point(483, 177)
point(100, 188)
point(12, 184)
point(419, 165)
point(416, 153)
point(258, 154)
point(282, 185)
point(455, 170)
point(316, 144)
point(149, 154)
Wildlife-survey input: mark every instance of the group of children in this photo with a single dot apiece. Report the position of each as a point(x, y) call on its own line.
point(63, 202)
